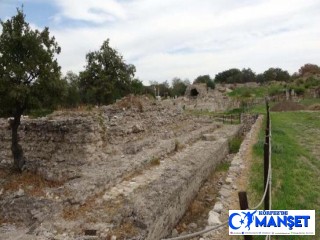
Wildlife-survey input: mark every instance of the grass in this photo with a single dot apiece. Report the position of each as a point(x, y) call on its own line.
point(223, 167)
point(258, 92)
point(295, 165)
point(310, 101)
point(234, 144)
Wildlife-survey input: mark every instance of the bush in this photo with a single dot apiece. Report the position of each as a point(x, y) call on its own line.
point(312, 82)
point(299, 90)
point(234, 144)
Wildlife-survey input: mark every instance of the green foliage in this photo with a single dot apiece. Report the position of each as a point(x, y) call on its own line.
point(234, 144)
point(223, 167)
point(29, 72)
point(274, 74)
point(179, 87)
point(137, 87)
point(310, 101)
point(299, 90)
point(106, 77)
point(41, 112)
point(163, 89)
point(234, 111)
point(205, 79)
point(72, 85)
point(312, 82)
point(234, 75)
point(260, 92)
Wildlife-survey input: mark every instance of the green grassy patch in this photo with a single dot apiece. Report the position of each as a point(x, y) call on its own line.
point(234, 144)
point(310, 101)
point(258, 92)
point(223, 167)
point(295, 165)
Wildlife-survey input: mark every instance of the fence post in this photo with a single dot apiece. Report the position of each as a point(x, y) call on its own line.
point(244, 206)
point(266, 160)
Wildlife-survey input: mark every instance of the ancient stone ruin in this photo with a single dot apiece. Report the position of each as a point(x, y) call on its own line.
point(199, 90)
point(124, 171)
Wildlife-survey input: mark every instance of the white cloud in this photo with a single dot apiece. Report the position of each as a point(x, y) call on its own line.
point(186, 38)
point(97, 11)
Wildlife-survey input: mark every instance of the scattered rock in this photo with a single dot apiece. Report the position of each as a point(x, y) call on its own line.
point(174, 233)
point(229, 180)
point(137, 128)
point(218, 207)
point(192, 226)
point(213, 218)
point(19, 193)
point(209, 137)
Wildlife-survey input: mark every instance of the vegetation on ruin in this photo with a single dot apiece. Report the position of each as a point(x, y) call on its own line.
point(234, 144)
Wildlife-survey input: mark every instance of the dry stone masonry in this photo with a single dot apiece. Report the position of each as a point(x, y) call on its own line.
point(124, 171)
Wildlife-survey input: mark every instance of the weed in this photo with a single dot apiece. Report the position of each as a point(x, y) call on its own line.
point(223, 167)
point(177, 145)
point(234, 144)
point(155, 161)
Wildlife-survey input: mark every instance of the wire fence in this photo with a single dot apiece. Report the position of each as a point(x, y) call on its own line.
point(243, 200)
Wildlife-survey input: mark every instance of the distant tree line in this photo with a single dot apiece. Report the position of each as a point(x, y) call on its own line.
point(31, 79)
point(235, 75)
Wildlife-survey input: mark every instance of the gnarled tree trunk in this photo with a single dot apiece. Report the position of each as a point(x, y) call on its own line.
point(16, 149)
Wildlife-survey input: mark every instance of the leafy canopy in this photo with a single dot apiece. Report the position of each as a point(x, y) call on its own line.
point(29, 74)
point(205, 79)
point(106, 77)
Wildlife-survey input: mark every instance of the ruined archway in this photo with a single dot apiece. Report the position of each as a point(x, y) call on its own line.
point(194, 92)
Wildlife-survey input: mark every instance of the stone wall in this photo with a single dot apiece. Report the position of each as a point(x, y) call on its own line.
point(198, 90)
point(51, 146)
point(247, 120)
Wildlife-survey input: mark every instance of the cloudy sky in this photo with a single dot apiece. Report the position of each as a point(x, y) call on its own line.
point(181, 38)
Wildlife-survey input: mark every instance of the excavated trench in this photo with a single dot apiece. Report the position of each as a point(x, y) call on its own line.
point(150, 203)
point(139, 190)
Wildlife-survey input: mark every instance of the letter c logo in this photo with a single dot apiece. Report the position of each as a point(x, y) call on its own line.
point(230, 221)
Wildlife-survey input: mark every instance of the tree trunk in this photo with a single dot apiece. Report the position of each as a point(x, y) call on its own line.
point(16, 149)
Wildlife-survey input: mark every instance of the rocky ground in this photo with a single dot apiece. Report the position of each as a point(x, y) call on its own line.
point(150, 162)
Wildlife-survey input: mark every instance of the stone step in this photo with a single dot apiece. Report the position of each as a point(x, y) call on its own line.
point(149, 205)
point(113, 169)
